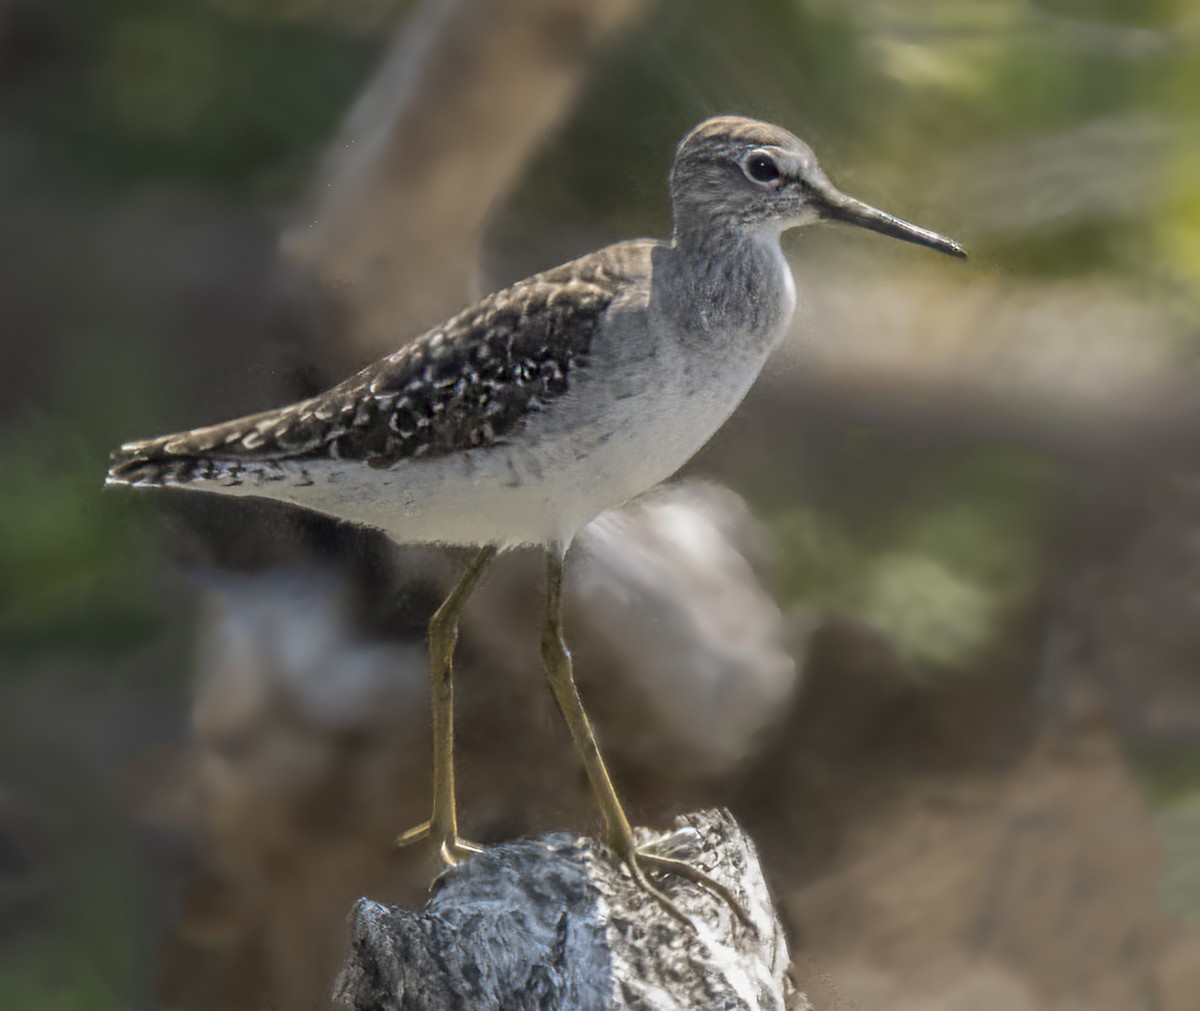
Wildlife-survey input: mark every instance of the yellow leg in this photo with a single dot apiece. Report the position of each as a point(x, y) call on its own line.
point(557, 659)
point(442, 827)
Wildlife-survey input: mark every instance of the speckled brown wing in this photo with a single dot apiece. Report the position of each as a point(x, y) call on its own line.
point(469, 383)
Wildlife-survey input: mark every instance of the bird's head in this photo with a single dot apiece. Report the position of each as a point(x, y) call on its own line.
point(742, 173)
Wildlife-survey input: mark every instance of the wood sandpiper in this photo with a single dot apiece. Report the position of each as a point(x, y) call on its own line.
point(526, 415)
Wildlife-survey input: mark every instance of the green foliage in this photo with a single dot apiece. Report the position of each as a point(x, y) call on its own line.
point(196, 90)
point(73, 575)
point(1172, 785)
point(1178, 827)
point(78, 946)
point(77, 571)
point(88, 962)
point(941, 564)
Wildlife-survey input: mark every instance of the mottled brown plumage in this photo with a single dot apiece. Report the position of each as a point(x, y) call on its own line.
point(469, 383)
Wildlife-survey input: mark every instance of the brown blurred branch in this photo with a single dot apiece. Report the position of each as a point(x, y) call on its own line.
point(394, 219)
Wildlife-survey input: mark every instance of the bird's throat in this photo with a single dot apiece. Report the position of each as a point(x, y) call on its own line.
point(734, 286)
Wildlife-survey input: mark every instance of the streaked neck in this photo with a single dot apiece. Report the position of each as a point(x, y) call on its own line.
point(731, 280)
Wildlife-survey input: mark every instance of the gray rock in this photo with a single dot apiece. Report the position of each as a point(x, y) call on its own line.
point(557, 922)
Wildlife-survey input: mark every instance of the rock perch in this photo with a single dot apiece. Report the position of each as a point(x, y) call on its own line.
point(557, 922)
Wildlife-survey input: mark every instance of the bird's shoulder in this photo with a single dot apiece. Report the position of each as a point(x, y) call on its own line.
point(550, 314)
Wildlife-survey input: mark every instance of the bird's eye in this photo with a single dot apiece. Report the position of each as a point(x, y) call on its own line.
point(761, 168)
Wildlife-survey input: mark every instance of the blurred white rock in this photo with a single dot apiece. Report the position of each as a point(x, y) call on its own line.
point(680, 656)
point(674, 628)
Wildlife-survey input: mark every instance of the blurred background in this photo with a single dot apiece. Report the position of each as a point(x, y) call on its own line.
point(925, 614)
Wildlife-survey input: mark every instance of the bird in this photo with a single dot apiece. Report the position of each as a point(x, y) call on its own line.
point(523, 417)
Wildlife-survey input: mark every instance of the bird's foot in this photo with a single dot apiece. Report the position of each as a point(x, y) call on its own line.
point(639, 859)
point(449, 847)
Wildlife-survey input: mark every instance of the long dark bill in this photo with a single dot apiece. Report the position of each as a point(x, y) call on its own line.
point(836, 206)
